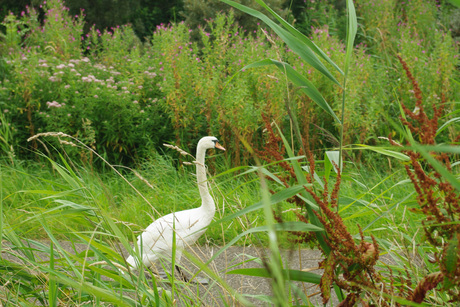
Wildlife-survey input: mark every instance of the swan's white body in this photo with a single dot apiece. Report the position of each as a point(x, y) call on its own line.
point(156, 242)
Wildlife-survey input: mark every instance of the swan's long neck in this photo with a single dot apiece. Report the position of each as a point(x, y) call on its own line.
point(207, 202)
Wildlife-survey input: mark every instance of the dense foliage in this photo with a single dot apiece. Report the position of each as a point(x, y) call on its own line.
point(143, 15)
point(55, 78)
point(108, 94)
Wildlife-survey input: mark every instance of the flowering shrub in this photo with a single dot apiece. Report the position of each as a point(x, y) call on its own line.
point(411, 29)
point(199, 98)
point(60, 33)
point(116, 115)
point(437, 197)
point(125, 98)
point(434, 62)
point(14, 30)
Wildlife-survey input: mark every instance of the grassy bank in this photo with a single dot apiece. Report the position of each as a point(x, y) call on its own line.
point(347, 148)
point(162, 186)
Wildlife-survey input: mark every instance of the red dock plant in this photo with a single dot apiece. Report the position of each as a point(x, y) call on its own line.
point(437, 199)
point(349, 261)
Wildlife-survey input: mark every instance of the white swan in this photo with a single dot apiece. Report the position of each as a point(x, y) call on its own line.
point(156, 242)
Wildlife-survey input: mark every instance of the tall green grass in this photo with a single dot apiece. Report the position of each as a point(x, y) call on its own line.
point(49, 206)
point(69, 251)
point(352, 255)
point(65, 226)
point(50, 84)
point(30, 187)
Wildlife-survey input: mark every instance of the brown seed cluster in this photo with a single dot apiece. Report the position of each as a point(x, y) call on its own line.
point(273, 152)
point(349, 263)
point(355, 258)
point(437, 199)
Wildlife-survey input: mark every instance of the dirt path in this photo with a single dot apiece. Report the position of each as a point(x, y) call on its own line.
point(303, 259)
point(235, 258)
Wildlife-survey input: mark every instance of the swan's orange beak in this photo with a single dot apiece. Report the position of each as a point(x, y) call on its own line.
point(220, 146)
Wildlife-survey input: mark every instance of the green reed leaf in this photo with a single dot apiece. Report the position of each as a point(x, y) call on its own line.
point(330, 158)
point(447, 124)
point(300, 36)
point(351, 33)
point(383, 151)
point(293, 42)
point(303, 83)
point(425, 152)
point(294, 275)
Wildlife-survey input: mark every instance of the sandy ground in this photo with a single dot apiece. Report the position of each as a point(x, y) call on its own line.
point(243, 257)
point(213, 294)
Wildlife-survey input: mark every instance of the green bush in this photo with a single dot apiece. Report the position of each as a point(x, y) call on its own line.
point(98, 104)
point(125, 98)
point(111, 101)
point(414, 31)
point(199, 97)
point(197, 13)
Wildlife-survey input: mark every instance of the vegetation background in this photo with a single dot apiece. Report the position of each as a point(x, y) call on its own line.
point(187, 73)
point(125, 79)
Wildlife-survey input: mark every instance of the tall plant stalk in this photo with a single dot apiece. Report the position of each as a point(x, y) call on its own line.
point(351, 34)
point(309, 52)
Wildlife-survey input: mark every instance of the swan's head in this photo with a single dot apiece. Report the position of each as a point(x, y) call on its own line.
point(210, 142)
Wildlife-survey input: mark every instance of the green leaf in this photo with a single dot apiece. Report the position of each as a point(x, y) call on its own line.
point(315, 176)
point(87, 287)
point(332, 157)
point(272, 176)
point(383, 151)
point(300, 36)
point(447, 123)
point(303, 83)
point(70, 205)
point(100, 248)
point(389, 211)
point(452, 255)
point(66, 255)
point(293, 42)
point(351, 33)
point(424, 151)
point(455, 2)
point(294, 275)
point(339, 292)
point(442, 148)
point(67, 174)
point(296, 226)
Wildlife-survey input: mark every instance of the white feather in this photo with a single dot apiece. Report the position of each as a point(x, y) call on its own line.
point(156, 242)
